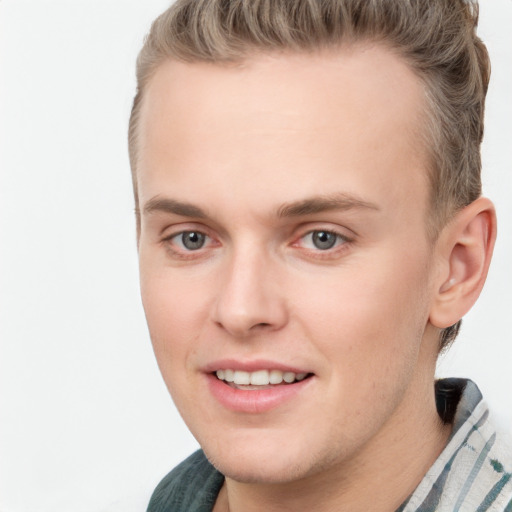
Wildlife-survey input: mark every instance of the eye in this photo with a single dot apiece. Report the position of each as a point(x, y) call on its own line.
point(189, 244)
point(322, 240)
point(190, 240)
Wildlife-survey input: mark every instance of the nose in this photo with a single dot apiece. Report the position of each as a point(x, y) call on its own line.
point(250, 298)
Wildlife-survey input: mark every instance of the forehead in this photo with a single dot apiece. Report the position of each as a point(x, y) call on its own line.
point(353, 113)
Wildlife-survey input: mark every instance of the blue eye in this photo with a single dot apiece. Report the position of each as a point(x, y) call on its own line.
point(322, 240)
point(190, 240)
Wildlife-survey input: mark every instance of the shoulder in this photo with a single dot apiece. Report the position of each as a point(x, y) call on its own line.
point(193, 485)
point(474, 472)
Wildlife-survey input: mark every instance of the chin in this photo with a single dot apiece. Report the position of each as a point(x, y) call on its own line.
point(266, 462)
point(258, 471)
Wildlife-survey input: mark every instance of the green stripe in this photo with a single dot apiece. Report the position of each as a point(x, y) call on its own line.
point(431, 502)
point(494, 493)
point(474, 472)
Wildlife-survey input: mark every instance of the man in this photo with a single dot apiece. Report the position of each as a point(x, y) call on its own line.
point(311, 230)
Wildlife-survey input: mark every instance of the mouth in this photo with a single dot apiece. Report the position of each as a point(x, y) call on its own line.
point(259, 379)
point(258, 386)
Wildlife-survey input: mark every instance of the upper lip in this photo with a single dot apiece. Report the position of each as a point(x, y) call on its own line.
point(251, 366)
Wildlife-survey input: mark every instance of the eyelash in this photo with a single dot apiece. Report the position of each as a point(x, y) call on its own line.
point(339, 243)
point(183, 253)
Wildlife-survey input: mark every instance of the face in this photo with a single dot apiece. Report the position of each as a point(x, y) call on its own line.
point(285, 267)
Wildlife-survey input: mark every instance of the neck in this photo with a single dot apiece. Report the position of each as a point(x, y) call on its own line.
point(390, 466)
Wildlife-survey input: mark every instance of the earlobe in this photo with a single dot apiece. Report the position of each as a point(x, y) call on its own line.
point(465, 248)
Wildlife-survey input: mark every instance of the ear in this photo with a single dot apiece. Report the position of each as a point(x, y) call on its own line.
point(464, 252)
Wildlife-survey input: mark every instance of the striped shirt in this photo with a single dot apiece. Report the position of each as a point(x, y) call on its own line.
point(472, 474)
point(474, 471)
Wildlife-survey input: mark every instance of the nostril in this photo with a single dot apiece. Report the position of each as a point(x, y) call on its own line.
point(260, 325)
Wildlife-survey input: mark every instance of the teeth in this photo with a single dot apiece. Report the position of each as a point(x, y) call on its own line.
point(242, 378)
point(259, 377)
point(276, 377)
point(288, 377)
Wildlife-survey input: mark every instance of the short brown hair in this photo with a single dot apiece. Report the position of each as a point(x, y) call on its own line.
point(437, 38)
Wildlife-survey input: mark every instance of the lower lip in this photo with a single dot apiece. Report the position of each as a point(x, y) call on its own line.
point(254, 401)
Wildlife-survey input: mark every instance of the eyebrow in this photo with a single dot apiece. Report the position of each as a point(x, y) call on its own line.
point(167, 205)
point(308, 206)
point(319, 204)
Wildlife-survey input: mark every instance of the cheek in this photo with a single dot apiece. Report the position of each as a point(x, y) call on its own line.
point(175, 314)
point(373, 311)
point(368, 326)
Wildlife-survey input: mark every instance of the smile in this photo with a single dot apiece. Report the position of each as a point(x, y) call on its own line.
point(256, 379)
point(256, 390)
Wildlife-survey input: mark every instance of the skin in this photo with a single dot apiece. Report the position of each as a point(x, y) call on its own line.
point(239, 143)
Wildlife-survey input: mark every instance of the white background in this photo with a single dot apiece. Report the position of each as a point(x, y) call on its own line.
point(86, 424)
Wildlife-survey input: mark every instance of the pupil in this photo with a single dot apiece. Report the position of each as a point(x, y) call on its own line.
point(193, 240)
point(324, 239)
